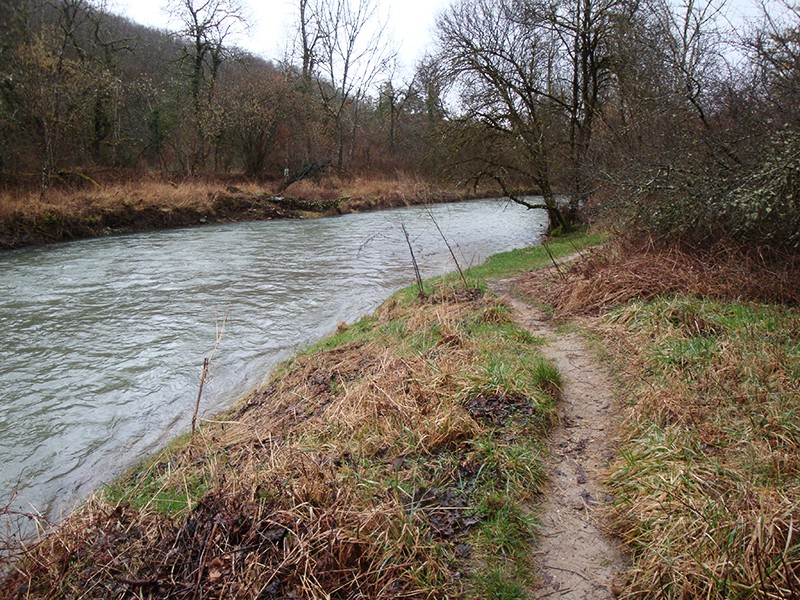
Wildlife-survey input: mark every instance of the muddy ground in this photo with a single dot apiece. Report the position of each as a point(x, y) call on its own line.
point(575, 556)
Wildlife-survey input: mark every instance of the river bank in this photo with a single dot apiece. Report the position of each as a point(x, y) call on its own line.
point(92, 209)
point(407, 455)
point(110, 333)
point(390, 459)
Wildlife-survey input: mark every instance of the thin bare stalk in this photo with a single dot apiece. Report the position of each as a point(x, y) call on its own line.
point(199, 394)
point(414, 261)
point(574, 247)
point(446, 243)
point(553, 259)
point(206, 363)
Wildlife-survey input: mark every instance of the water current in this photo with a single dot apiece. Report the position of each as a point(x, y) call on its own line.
point(103, 340)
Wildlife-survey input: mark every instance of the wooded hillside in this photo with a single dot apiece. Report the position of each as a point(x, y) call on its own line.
point(662, 115)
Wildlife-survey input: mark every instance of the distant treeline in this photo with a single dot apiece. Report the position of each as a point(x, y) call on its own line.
point(660, 114)
point(80, 87)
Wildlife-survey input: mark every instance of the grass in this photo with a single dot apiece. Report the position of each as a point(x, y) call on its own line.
point(399, 458)
point(707, 485)
point(139, 201)
point(705, 347)
point(518, 261)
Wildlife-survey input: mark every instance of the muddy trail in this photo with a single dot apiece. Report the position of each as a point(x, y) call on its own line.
point(575, 557)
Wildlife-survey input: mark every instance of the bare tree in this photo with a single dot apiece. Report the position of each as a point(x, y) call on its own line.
point(774, 52)
point(354, 51)
point(690, 39)
point(584, 30)
point(308, 34)
point(208, 26)
point(394, 97)
point(505, 72)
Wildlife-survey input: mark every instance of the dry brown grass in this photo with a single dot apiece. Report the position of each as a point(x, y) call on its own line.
point(707, 482)
point(355, 474)
point(369, 193)
point(153, 202)
point(623, 271)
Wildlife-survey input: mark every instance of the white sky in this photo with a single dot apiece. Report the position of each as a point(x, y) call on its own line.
point(410, 23)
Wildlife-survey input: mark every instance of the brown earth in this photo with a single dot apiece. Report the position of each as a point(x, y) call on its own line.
point(24, 229)
point(575, 556)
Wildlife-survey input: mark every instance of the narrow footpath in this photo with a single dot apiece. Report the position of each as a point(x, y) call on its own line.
point(575, 557)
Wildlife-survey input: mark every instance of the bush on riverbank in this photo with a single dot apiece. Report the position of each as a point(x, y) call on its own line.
point(628, 270)
point(756, 206)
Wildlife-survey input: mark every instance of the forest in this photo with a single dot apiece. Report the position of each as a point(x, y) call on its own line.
point(662, 117)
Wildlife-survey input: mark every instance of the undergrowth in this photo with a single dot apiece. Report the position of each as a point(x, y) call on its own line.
point(396, 459)
point(625, 270)
point(707, 483)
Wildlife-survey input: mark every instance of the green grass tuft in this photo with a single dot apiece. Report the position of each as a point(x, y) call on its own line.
point(707, 483)
point(520, 260)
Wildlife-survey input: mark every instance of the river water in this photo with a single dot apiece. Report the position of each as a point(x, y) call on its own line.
point(103, 340)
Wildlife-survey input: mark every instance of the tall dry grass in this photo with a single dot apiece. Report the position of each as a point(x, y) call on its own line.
point(707, 486)
point(706, 349)
point(627, 270)
point(152, 202)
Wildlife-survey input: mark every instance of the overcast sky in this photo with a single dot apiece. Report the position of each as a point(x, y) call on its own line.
point(271, 21)
point(410, 23)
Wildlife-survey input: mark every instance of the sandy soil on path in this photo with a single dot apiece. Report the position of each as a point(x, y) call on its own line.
point(575, 557)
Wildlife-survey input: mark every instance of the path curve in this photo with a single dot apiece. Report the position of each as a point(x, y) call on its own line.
point(575, 557)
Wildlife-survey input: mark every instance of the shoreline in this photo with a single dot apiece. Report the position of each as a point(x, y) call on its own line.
point(405, 454)
point(360, 358)
point(118, 210)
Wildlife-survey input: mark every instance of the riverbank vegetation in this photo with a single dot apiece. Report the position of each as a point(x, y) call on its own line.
point(706, 350)
point(93, 209)
point(400, 457)
point(403, 455)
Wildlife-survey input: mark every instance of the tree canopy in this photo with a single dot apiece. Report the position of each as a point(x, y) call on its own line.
point(660, 115)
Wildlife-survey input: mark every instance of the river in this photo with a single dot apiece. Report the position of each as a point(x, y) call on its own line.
point(103, 340)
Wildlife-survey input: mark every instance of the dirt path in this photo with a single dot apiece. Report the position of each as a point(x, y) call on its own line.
point(575, 557)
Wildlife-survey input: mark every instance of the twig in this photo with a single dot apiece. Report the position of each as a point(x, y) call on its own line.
point(414, 261)
point(571, 243)
point(206, 363)
point(446, 243)
point(581, 575)
point(199, 393)
point(555, 264)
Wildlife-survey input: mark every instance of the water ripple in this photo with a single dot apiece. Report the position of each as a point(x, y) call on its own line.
point(103, 339)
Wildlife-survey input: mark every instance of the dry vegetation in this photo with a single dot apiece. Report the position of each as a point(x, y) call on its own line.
point(707, 483)
point(112, 203)
point(400, 457)
point(628, 270)
point(707, 480)
point(386, 462)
